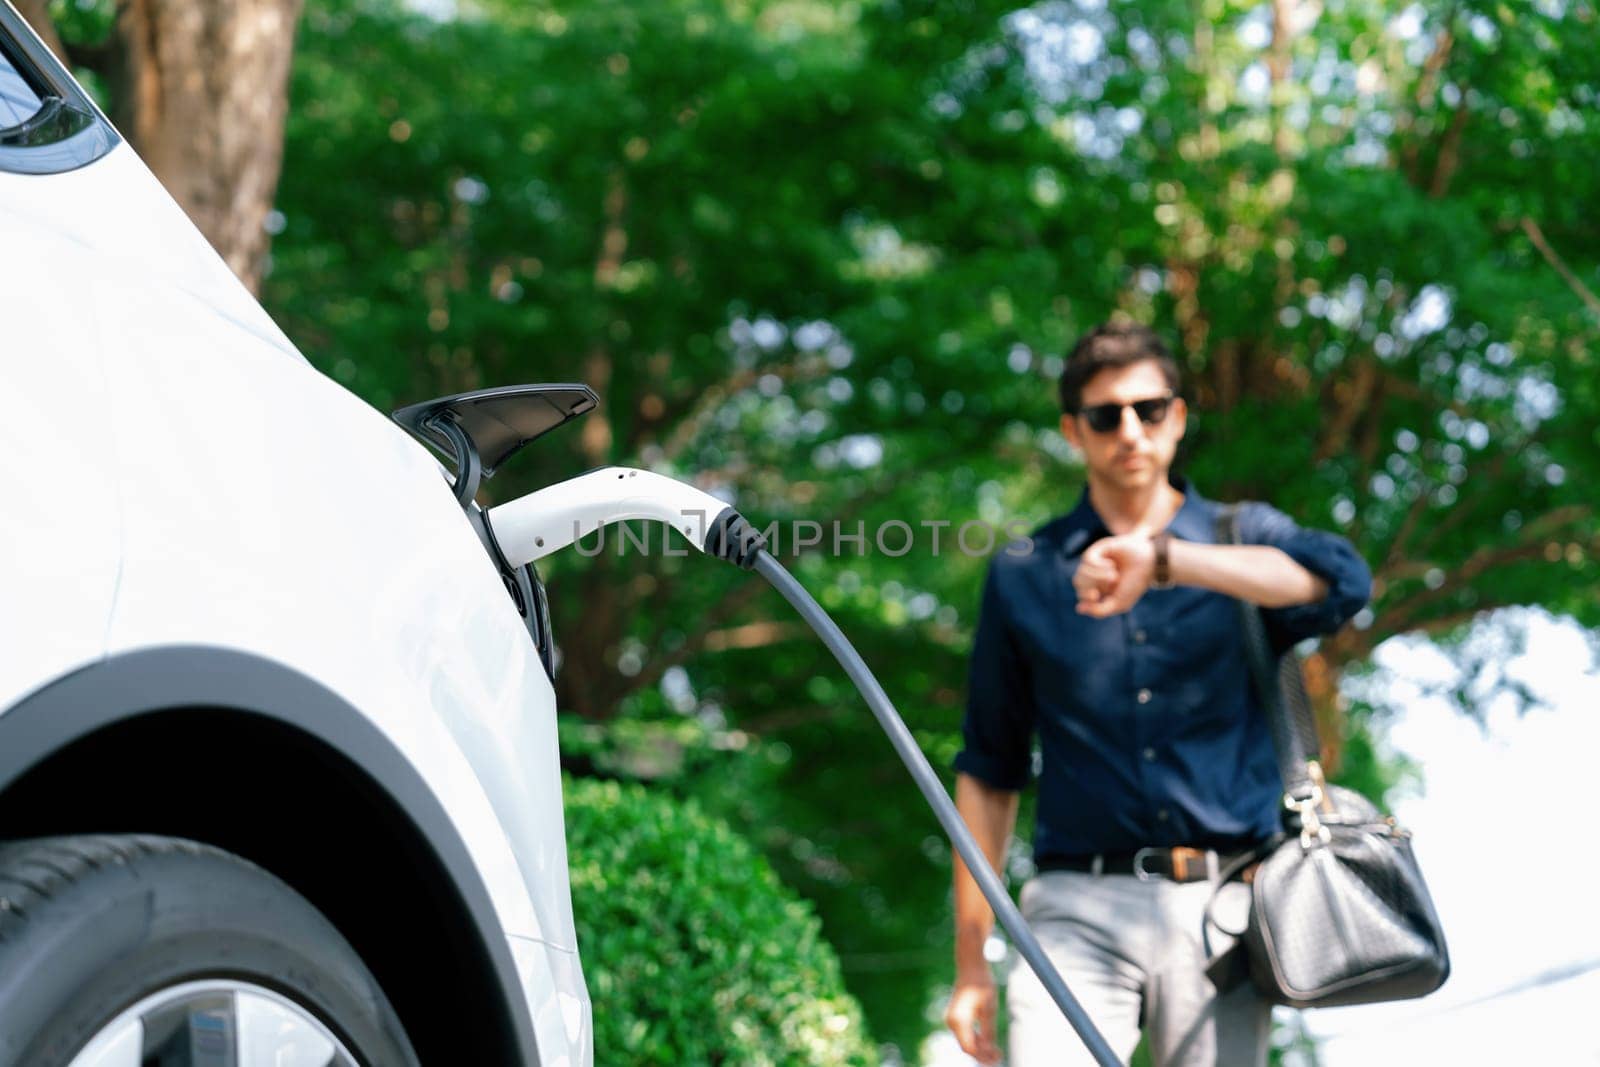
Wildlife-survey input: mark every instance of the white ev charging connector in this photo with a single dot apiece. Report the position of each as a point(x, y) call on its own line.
point(482, 429)
point(531, 527)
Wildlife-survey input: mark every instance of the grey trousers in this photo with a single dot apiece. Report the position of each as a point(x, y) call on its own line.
point(1131, 953)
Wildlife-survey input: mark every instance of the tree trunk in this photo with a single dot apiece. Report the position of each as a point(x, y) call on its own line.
point(201, 91)
point(33, 12)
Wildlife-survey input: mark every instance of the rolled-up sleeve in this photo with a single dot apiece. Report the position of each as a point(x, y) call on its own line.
point(997, 731)
point(1329, 556)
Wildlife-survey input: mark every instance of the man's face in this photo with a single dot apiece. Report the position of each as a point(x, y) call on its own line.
point(1132, 454)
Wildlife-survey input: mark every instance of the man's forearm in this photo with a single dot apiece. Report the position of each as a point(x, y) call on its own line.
point(991, 815)
point(1260, 574)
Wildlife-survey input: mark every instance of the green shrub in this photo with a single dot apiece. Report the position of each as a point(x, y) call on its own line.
point(693, 950)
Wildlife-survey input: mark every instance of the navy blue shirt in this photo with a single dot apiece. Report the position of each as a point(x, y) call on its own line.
point(1149, 729)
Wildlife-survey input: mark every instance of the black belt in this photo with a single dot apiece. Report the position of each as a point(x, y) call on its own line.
point(1179, 864)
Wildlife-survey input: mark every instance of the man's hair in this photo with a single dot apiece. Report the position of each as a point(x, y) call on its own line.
point(1113, 344)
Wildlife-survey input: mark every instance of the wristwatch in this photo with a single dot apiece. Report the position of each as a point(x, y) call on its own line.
point(1163, 575)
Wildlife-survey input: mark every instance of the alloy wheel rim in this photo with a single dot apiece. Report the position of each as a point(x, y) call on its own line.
point(215, 1023)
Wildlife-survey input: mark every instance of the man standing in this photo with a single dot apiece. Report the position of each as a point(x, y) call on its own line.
point(1116, 642)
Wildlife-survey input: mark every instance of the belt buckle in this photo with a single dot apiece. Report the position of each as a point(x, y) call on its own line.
point(1138, 864)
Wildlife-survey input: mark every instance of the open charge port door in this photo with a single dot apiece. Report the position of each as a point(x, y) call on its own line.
point(478, 432)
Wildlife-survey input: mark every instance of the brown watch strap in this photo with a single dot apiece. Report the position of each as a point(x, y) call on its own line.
point(1162, 579)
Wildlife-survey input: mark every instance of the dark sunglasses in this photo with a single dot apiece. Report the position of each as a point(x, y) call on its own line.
point(1104, 418)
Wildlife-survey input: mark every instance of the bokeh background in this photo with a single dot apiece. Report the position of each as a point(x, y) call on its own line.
point(823, 258)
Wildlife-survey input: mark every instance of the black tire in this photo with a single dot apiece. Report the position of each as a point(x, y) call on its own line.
point(91, 925)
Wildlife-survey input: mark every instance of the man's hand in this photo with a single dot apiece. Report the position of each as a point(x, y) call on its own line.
point(991, 813)
point(971, 1017)
point(1113, 574)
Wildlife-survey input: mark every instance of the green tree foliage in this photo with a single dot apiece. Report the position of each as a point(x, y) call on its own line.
point(693, 951)
point(824, 258)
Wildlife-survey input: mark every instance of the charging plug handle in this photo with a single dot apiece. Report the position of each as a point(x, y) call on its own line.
point(732, 538)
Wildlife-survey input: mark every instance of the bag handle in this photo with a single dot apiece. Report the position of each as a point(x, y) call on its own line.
point(1282, 689)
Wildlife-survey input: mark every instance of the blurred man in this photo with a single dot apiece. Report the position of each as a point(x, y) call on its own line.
point(1116, 644)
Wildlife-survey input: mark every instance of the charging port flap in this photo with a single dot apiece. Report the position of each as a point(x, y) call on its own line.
point(497, 422)
point(479, 431)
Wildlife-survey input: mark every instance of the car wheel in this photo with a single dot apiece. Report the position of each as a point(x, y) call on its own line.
point(142, 951)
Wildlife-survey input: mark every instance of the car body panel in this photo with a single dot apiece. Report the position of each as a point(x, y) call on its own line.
point(116, 211)
point(212, 488)
point(59, 520)
point(557, 1002)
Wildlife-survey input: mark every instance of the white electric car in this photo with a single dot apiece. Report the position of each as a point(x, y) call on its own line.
point(278, 769)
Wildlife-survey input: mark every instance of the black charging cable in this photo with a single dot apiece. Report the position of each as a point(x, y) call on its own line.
point(955, 827)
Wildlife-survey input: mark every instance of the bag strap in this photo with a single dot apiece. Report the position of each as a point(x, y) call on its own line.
point(1230, 967)
point(1281, 686)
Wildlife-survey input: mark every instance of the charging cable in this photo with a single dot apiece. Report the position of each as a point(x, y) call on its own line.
point(955, 827)
point(544, 521)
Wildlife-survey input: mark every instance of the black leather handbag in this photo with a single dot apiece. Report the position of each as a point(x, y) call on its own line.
point(1339, 911)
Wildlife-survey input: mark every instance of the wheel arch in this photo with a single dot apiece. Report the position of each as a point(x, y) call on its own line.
point(130, 743)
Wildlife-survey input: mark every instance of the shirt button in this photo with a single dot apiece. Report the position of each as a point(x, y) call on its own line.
point(1149, 755)
point(1138, 637)
point(1144, 696)
point(1163, 814)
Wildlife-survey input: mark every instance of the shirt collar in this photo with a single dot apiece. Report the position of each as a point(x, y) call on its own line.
point(1083, 525)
